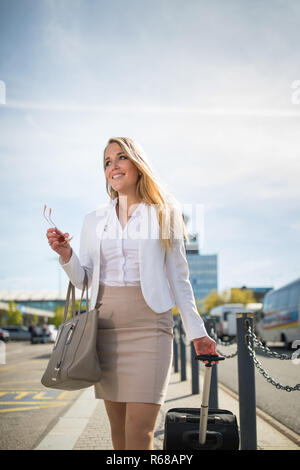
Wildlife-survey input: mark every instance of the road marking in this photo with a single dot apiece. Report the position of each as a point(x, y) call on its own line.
point(37, 394)
point(20, 395)
point(63, 395)
point(12, 400)
point(26, 408)
point(31, 403)
point(21, 389)
point(41, 396)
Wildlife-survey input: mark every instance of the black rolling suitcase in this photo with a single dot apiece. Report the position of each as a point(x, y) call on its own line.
point(205, 429)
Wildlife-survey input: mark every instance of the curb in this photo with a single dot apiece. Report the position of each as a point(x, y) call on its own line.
point(70, 426)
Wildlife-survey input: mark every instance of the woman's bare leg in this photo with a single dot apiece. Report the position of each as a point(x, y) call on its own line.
point(140, 425)
point(116, 412)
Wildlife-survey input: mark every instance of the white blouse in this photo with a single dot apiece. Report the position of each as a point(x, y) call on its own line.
point(119, 257)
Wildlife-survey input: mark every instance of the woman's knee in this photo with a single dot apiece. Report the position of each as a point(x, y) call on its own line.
point(116, 412)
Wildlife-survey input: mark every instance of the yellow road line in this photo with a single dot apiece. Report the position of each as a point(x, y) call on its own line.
point(41, 395)
point(31, 403)
point(48, 405)
point(21, 395)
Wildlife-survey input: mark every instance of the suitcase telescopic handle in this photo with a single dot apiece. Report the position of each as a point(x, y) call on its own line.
point(205, 394)
point(210, 358)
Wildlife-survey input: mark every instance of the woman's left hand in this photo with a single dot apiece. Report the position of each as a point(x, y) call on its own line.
point(205, 345)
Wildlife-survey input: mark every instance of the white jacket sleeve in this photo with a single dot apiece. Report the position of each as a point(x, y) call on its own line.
point(178, 276)
point(76, 266)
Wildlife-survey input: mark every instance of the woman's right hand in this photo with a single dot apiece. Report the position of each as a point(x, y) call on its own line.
point(59, 243)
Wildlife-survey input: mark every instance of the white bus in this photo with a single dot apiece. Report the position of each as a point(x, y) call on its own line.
point(280, 315)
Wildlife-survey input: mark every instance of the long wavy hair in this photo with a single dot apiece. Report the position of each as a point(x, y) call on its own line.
point(151, 191)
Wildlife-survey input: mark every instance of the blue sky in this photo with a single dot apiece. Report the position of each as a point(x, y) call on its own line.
point(204, 87)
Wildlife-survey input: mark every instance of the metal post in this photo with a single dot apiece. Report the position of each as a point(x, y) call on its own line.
point(246, 378)
point(176, 343)
point(210, 324)
point(182, 354)
point(175, 356)
point(195, 370)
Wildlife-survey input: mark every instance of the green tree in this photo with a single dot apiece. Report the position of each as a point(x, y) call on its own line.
point(14, 315)
point(213, 300)
point(35, 319)
point(58, 317)
point(241, 296)
point(233, 296)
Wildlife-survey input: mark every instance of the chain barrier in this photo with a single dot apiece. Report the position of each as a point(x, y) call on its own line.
point(265, 349)
point(223, 343)
point(278, 385)
point(213, 335)
point(252, 353)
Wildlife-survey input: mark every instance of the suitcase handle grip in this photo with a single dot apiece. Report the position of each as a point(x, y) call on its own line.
point(210, 358)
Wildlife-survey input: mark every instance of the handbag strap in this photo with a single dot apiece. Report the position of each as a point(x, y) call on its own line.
point(70, 288)
point(85, 287)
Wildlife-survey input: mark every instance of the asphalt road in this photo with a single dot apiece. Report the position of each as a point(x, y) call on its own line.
point(28, 410)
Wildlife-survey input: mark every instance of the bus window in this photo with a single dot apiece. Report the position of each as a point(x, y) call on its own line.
point(273, 301)
point(294, 296)
point(282, 300)
point(266, 302)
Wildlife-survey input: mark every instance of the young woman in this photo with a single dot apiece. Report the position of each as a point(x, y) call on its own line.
point(133, 252)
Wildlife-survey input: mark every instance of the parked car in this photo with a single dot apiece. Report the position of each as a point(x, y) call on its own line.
point(18, 332)
point(53, 333)
point(4, 335)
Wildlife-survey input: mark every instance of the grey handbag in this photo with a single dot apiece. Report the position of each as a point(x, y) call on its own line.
point(74, 362)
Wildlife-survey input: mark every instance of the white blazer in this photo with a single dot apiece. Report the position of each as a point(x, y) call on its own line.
point(164, 276)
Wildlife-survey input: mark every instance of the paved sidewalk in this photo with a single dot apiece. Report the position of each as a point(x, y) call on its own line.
point(85, 426)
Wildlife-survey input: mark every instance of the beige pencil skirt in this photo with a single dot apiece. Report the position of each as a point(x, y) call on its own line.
point(135, 347)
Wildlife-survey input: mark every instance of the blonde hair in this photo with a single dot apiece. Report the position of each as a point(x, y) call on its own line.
point(152, 192)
